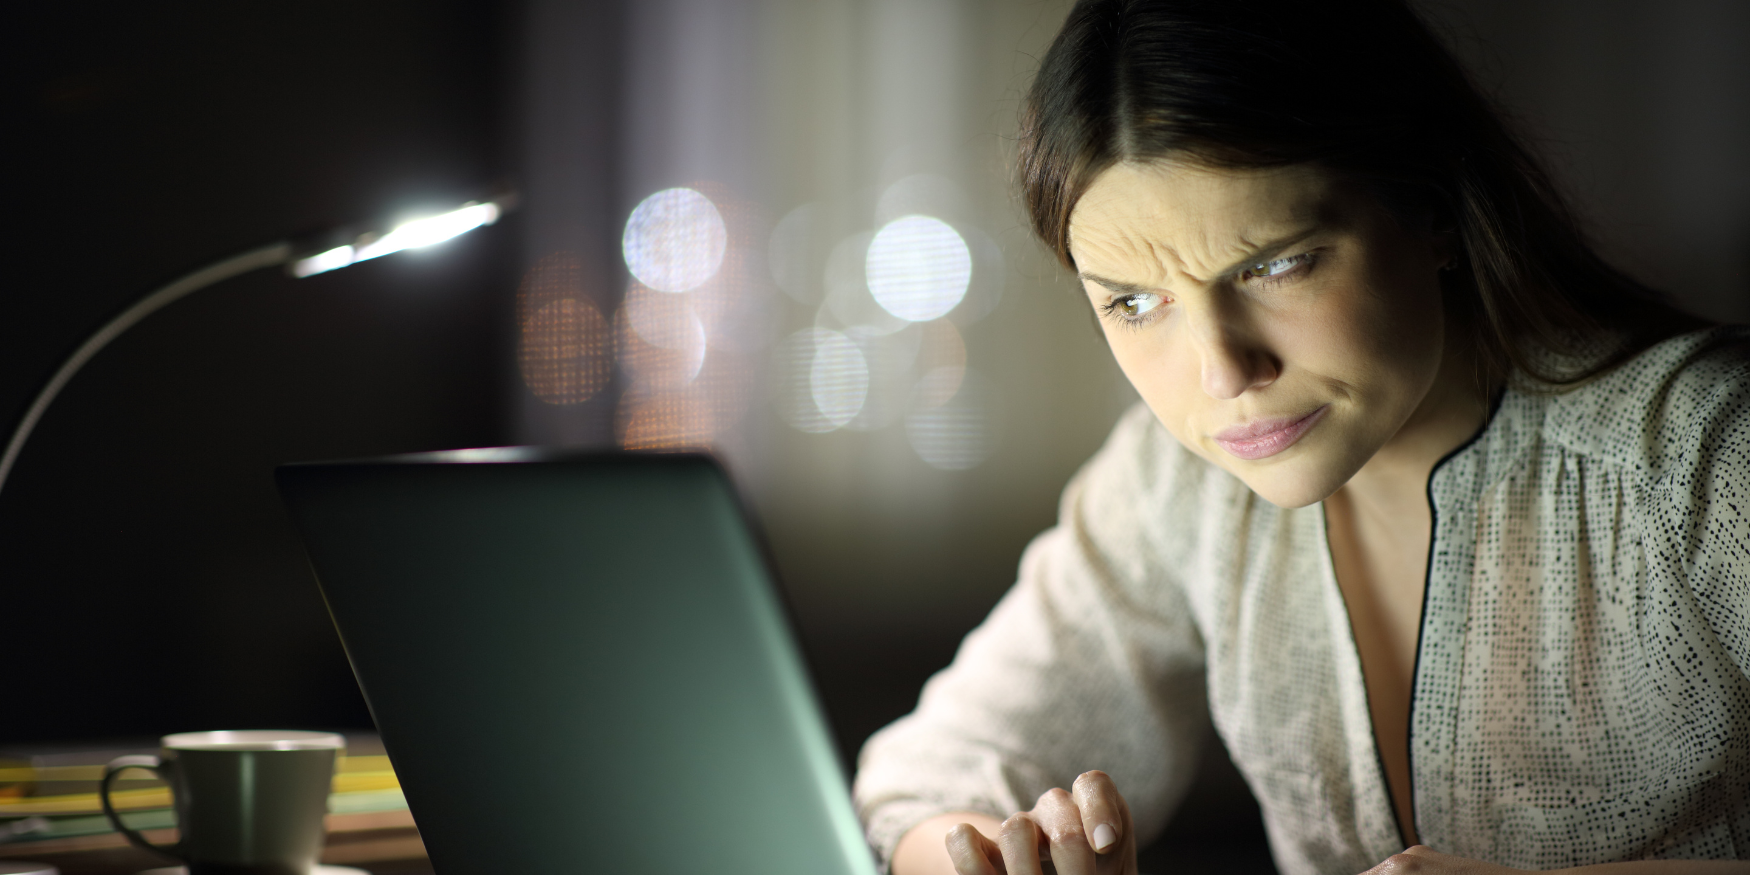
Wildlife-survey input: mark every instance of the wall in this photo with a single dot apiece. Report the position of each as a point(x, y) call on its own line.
point(1643, 111)
point(148, 578)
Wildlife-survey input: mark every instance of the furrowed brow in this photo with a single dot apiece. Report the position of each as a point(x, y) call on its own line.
point(1257, 253)
point(1116, 286)
point(1268, 249)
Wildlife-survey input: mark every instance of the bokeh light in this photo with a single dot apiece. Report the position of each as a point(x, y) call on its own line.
point(668, 322)
point(696, 414)
point(848, 301)
point(989, 273)
point(647, 317)
point(738, 308)
point(951, 436)
point(937, 387)
point(942, 362)
point(567, 352)
point(565, 347)
point(674, 240)
point(792, 362)
point(819, 380)
point(654, 418)
point(918, 268)
point(838, 378)
point(690, 355)
point(890, 358)
point(795, 253)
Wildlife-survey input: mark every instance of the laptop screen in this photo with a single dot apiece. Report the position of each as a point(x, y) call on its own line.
point(577, 663)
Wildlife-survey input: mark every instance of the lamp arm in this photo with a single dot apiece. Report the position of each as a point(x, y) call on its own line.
point(266, 256)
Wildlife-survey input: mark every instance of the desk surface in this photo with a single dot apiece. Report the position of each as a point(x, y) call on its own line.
point(388, 847)
point(383, 842)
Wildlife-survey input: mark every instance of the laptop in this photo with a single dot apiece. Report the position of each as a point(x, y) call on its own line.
point(577, 662)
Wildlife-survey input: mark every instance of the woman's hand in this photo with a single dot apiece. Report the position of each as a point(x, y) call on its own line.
point(1422, 860)
point(1085, 831)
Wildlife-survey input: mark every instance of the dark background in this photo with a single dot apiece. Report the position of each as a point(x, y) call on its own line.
point(149, 582)
point(147, 575)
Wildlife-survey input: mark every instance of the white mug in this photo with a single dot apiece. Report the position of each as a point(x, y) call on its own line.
point(248, 802)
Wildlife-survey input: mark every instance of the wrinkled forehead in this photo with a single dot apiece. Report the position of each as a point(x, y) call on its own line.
point(1197, 216)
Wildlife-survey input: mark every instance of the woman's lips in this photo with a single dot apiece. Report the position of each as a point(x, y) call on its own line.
point(1267, 437)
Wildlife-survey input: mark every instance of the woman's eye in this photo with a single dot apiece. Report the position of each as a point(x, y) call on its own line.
point(1132, 306)
point(1275, 267)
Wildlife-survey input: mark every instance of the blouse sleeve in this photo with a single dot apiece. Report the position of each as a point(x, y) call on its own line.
point(1091, 661)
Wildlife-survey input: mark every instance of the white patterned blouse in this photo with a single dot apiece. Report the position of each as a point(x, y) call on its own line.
point(1582, 686)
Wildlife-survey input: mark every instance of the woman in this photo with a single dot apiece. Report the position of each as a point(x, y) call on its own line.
point(1444, 522)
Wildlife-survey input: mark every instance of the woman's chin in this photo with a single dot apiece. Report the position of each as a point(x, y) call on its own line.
point(1293, 485)
point(1289, 497)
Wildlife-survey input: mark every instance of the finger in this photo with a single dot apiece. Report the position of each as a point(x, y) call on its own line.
point(972, 853)
point(1102, 811)
point(1057, 814)
point(1416, 858)
point(1020, 840)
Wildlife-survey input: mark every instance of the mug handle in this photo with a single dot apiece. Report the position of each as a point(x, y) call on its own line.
point(116, 767)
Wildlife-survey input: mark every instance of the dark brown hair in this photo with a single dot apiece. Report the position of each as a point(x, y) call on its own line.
point(1365, 90)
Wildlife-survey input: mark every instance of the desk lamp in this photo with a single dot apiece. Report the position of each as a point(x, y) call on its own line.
point(299, 261)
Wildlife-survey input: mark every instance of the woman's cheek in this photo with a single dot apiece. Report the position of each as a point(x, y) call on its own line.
point(1168, 381)
point(1139, 360)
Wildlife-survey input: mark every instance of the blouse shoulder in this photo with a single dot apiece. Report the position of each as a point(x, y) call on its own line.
point(1677, 419)
point(1680, 402)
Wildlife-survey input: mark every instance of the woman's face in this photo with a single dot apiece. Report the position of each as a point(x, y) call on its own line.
point(1281, 325)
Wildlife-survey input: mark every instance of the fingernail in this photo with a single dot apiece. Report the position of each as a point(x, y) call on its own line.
point(1104, 836)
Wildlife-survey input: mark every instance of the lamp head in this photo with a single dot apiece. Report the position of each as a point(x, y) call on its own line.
point(412, 234)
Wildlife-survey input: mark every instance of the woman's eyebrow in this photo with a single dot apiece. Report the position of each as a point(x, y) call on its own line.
point(1263, 250)
point(1269, 248)
point(1114, 285)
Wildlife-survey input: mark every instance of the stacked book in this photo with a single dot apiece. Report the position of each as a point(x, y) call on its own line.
point(48, 795)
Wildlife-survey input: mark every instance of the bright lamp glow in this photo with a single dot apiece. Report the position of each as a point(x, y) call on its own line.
point(409, 235)
point(425, 232)
point(322, 262)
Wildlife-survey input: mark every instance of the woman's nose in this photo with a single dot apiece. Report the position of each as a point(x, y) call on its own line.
point(1232, 359)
